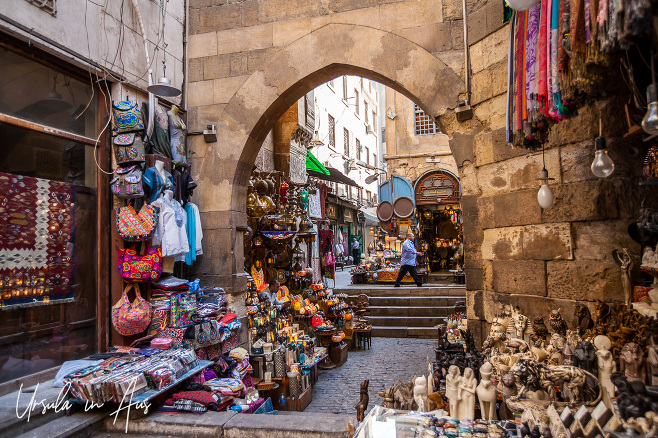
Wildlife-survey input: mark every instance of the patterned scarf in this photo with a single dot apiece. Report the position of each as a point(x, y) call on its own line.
point(543, 58)
point(519, 47)
point(531, 59)
point(509, 110)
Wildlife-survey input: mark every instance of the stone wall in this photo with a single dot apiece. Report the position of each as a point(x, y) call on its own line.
point(407, 153)
point(251, 60)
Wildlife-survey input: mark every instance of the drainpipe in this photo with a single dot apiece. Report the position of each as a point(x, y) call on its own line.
point(186, 65)
point(463, 110)
point(152, 99)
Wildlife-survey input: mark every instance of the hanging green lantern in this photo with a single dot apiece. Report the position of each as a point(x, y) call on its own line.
point(303, 196)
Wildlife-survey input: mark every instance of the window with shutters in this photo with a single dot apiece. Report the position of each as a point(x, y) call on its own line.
point(356, 102)
point(423, 123)
point(365, 111)
point(332, 131)
point(367, 156)
point(358, 149)
point(346, 141)
point(345, 88)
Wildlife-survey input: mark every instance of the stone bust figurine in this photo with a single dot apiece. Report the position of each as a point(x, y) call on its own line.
point(420, 394)
point(631, 361)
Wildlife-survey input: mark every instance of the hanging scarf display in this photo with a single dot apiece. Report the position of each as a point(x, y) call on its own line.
point(531, 58)
point(509, 131)
point(542, 80)
point(519, 46)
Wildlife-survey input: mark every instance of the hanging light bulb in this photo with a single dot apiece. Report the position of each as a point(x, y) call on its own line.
point(650, 120)
point(545, 196)
point(602, 166)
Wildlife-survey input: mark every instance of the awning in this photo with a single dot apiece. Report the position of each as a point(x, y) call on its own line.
point(370, 214)
point(314, 165)
point(335, 175)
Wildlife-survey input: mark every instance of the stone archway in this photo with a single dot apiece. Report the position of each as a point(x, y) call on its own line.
point(321, 55)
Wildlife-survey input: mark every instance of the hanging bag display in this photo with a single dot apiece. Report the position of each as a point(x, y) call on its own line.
point(128, 148)
point(131, 318)
point(183, 307)
point(136, 268)
point(127, 182)
point(136, 227)
point(126, 117)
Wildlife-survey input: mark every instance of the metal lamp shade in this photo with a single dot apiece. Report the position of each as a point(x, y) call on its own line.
point(164, 88)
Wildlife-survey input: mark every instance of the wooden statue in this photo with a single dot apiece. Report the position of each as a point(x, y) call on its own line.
point(584, 318)
point(540, 333)
point(362, 406)
point(389, 400)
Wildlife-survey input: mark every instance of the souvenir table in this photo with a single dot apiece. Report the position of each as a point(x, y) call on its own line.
point(389, 275)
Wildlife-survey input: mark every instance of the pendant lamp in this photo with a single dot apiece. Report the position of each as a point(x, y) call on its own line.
point(520, 5)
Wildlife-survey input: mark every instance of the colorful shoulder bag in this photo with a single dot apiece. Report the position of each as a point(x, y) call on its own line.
point(126, 117)
point(127, 182)
point(131, 318)
point(128, 148)
point(136, 268)
point(136, 227)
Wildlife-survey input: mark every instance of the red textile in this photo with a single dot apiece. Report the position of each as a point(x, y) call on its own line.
point(203, 397)
point(36, 239)
point(542, 58)
point(519, 71)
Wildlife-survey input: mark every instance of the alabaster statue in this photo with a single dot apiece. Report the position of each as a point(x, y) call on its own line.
point(466, 394)
point(453, 380)
point(420, 394)
point(487, 393)
point(606, 366)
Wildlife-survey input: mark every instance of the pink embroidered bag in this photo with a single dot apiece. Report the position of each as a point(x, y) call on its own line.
point(136, 268)
point(131, 318)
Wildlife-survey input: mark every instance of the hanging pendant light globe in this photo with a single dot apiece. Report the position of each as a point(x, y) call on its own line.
point(164, 88)
point(520, 5)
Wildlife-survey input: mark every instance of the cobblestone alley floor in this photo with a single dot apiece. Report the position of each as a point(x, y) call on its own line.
point(337, 390)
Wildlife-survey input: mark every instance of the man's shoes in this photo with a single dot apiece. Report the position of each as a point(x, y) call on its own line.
point(396, 285)
point(419, 285)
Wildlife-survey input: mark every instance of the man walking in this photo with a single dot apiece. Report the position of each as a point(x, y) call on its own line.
point(356, 252)
point(408, 260)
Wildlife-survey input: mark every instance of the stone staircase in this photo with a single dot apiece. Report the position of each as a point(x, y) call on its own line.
point(409, 312)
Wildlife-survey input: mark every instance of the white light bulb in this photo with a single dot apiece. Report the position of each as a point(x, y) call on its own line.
point(545, 196)
point(602, 166)
point(650, 120)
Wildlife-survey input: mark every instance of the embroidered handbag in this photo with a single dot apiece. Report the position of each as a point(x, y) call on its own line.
point(127, 182)
point(126, 117)
point(183, 307)
point(135, 227)
point(131, 318)
point(128, 148)
point(135, 268)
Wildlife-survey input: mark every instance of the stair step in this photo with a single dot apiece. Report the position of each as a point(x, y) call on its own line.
point(411, 310)
point(404, 332)
point(422, 301)
point(388, 290)
point(405, 321)
point(77, 425)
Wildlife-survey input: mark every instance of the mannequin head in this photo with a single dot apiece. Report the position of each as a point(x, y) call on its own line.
point(169, 195)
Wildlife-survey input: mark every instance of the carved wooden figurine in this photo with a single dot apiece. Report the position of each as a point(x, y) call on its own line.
point(558, 323)
point(453, 380)
point(487, 393)
point(362, 406)
point(625, 263)
point(652, 360)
